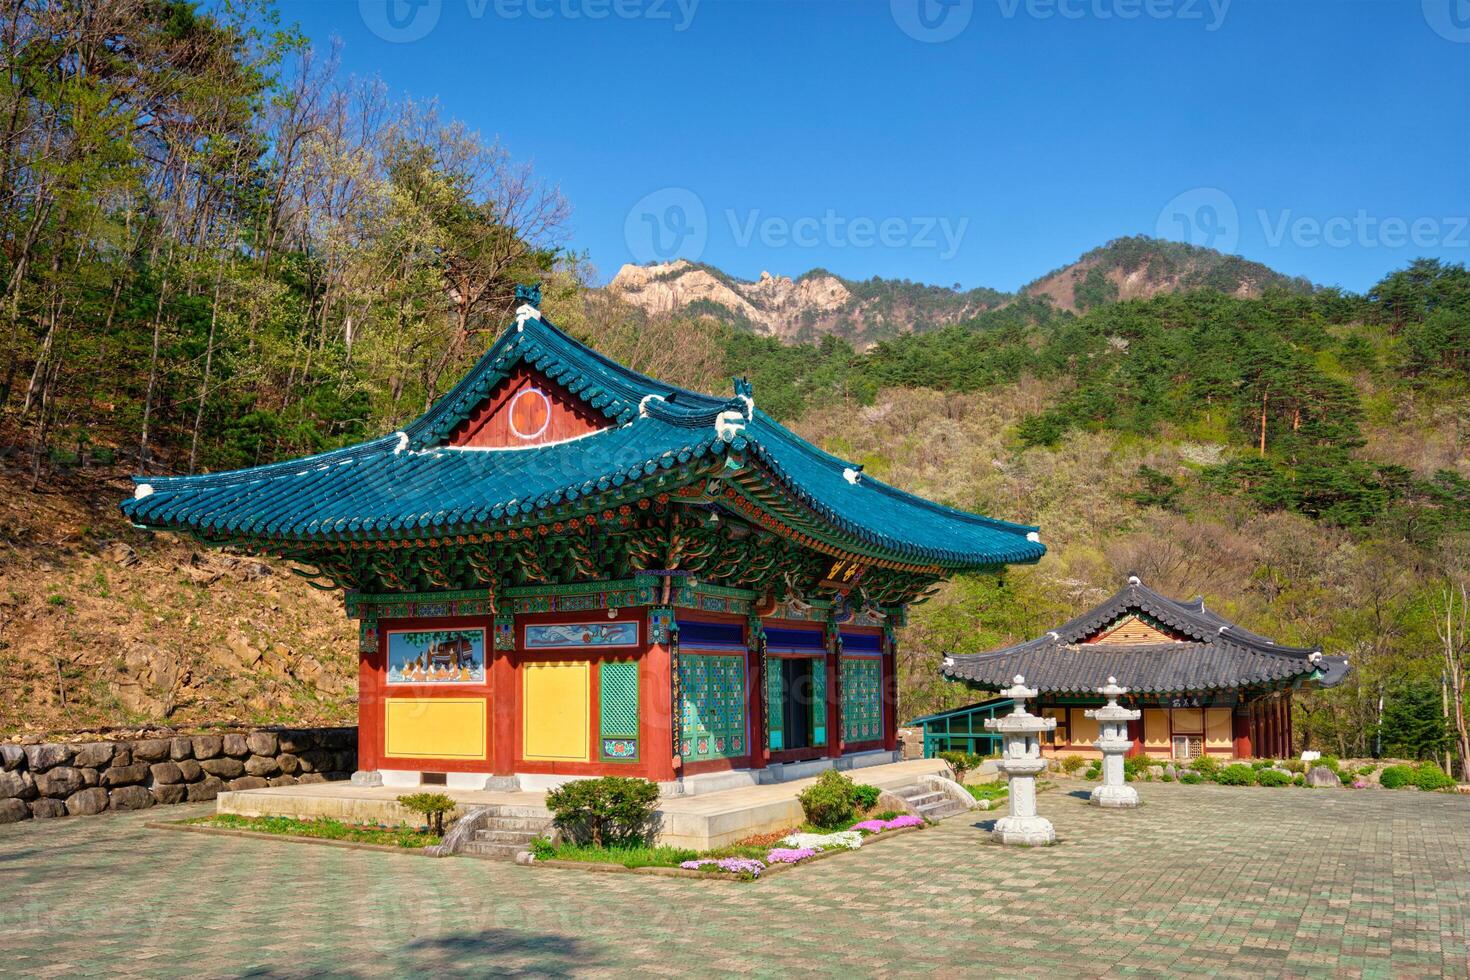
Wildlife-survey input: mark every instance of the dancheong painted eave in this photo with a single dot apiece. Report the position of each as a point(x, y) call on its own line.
point(413, 485)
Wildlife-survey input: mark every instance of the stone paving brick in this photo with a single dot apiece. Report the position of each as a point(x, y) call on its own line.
point(1200, 880)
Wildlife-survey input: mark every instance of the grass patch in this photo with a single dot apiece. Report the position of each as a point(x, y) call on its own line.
point(996, 790)
point(323, 828)
point(628, 857)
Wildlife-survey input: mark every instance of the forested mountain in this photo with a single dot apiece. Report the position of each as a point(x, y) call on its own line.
point(819, 304)
point(217, 252)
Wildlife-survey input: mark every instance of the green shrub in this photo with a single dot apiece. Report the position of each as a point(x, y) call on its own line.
point(865, 797)
point(1273, 777)
point(430, 806)
point(542, 848)
point(1260, 764)
point(1205, 765)
point(1166, 778)
point(1190, 778)
point(1071, 763)
point(830, 801)
point(1236, 774)
point(1429, 777)
point(1298, 780)
point(1294, 765)
point(1330, 761)
point(1396, 777)
point(1136, 766)
point(605, 812)
point(961, 763)
point(1366, 769)
point(1093, 772)
point(1345, 776)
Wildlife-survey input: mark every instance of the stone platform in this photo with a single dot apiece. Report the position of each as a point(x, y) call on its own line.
point(702, 821)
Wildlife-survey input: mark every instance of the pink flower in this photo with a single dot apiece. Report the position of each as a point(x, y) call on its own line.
point(789, 855)
point(871, 826)
point(907, 820)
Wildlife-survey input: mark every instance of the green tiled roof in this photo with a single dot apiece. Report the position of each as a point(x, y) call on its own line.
point(411, 484)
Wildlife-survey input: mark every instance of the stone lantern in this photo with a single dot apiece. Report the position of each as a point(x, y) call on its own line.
point(1113, 742)
point(1021, 760)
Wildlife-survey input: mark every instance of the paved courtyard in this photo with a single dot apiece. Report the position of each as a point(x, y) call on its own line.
point(1200, 880)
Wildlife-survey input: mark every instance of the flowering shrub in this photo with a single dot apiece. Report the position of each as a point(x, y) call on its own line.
point(850, 839)
point(745, 867)
point(789, 855)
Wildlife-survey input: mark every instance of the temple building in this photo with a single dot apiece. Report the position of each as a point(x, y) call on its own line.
point(1204, 684)
point(566, 568)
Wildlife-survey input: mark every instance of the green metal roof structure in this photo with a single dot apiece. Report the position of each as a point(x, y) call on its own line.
point(722, 456)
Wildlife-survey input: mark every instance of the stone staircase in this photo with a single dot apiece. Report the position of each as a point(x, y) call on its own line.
point(506, 831)
point(930, 804)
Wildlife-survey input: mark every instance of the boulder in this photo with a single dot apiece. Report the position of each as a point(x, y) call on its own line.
point(13, 810)
point(290, 764)
point(90, 777)
point(12, 757)
point(262, 765)
point(248, 782)
point(171, 793)
point(311, 777)
point(295, 741)
point(122, 754)
point(86, 802)
point(1320, 776)
point(207, 746)
point(47, 755)
point(190, 770)
point(130, 798)
point(165, 772)
point(206, 789)
point(262, 743)
point(60, 782)
point(94, 755)
point(180, 749)
point(17, 785)
point(237, 745)
point(45, 808)
point(282, 780)
point(223, 768)
point(1170, 771)
point(152, 749)
point(125, 775)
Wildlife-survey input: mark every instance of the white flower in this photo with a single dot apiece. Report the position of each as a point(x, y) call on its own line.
point(849, 839)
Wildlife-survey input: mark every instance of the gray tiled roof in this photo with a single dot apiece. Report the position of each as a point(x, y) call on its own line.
point(1218, 655)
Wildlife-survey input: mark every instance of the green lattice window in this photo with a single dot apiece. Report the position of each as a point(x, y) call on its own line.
point(775, 704)
point(712, 716)
point(819, 702)
point(862, 699)
point(618, 707)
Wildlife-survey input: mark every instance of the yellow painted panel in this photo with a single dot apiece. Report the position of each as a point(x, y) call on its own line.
point(1219, 733)
point(1156, 729)
point(434, 728)
point(1189, 721)
point(555, 711)
point(1084, 729)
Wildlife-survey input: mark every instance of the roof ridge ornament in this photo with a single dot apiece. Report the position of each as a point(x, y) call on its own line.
point(852, 474)
point(1134, 580)
point(402, 446)
point(529, 298)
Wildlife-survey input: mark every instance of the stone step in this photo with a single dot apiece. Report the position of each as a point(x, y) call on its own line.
point(535, 825)
point(922, 798)
point(496, 836)
point(504, 852)
point(941, 811)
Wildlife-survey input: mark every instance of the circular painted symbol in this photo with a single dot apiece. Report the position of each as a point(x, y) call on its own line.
point(530, 413)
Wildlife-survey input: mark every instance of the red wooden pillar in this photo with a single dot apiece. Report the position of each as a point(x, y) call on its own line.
point(502, 713)
point(1240, 731)
point(834, 702)
point(658, 723)
point(889, 668)
point(1290, 733)
point(370, 707)
point(1135, 733)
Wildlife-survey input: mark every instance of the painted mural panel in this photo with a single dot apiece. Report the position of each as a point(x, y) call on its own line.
point(562, 636)
point(436, 657)
point(862, 700)
point(712, 720)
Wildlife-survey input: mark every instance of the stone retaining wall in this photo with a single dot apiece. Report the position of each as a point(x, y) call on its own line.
point(57, 779)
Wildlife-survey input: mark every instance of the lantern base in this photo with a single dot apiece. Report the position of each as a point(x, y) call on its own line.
point(1115, 796)
point(1025, 831)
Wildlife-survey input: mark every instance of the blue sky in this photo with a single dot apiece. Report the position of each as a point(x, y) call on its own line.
point(979, 142)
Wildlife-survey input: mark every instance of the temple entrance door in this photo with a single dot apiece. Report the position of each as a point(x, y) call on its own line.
point(798, 684)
